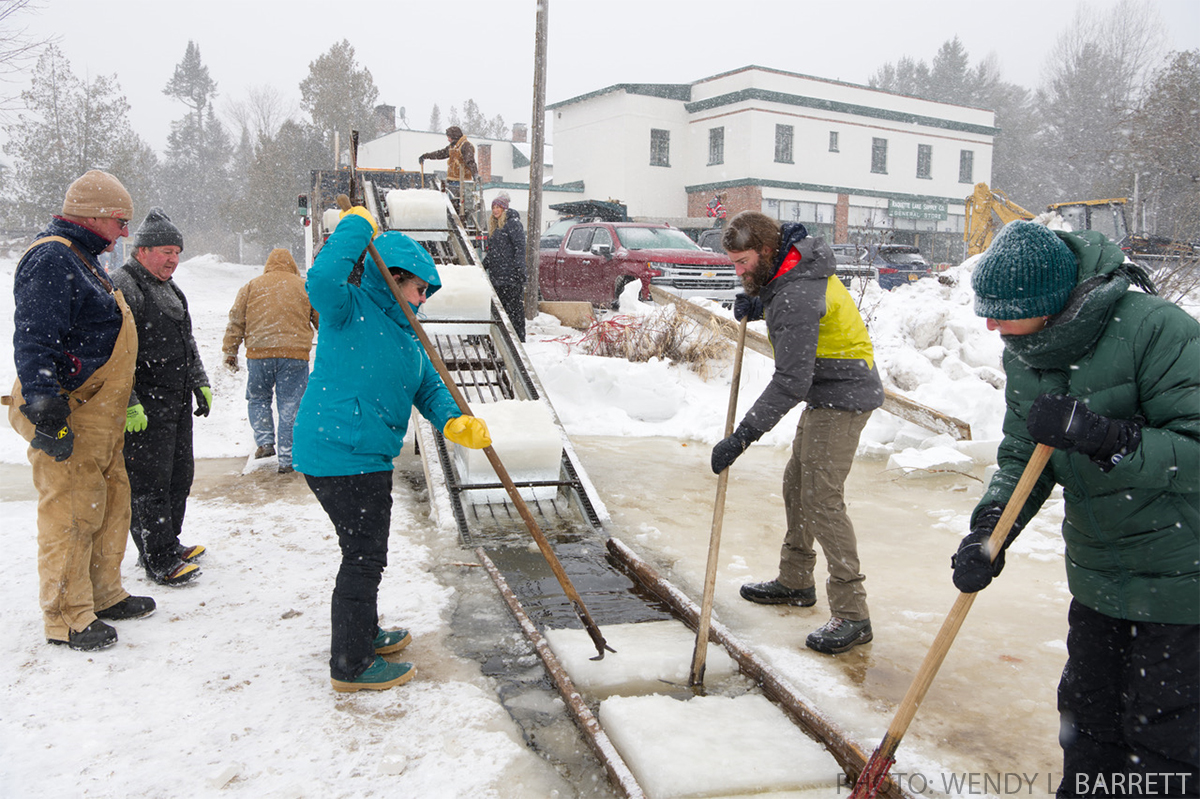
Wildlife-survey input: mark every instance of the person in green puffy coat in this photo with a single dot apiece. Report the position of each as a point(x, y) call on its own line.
point(371, 371)
point(1110, 378)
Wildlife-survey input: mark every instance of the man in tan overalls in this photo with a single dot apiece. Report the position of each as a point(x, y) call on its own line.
point(75, 349)
point(462, 173)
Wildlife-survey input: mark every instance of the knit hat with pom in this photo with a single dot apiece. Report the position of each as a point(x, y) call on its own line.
point(1028, 271)
point(97, 194)
point(502, 200)
point(157, 230)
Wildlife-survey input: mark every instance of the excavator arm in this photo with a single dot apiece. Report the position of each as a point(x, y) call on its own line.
point(983, 208)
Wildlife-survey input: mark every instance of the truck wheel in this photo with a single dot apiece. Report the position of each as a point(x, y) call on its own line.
point(622, 282)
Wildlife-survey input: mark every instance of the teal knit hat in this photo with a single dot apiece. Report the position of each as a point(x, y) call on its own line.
point(1028, 271)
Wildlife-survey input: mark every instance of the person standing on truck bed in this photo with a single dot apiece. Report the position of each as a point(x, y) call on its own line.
point(824, 358)
point(505, 260)
point(460, 167)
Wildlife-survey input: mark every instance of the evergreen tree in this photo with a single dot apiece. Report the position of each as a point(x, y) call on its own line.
point(339, 96)
point(435, 119)
point(69, 126)
point(280, 171)
point(197, 182)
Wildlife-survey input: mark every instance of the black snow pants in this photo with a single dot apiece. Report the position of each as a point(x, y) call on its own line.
point(360, 507)
point(512, 296)
point(1129, 703)
point(160, 466)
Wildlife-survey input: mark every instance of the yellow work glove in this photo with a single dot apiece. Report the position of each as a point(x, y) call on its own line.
point(135, 419)
point(468, 431)
point(358, 210)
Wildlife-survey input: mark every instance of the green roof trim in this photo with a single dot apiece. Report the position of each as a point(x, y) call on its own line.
point(763, 95)
point(571, 188)
point(784, 184)
point(667, 91)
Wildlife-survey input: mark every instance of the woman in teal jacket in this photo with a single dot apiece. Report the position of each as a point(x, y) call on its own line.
point(370, 372)
point(1111, 379)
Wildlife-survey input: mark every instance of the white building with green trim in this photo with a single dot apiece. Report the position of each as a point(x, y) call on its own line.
point(850, 162)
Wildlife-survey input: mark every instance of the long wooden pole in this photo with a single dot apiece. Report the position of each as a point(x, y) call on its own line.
point(884, 756)
point(494, 459)
point(700, 654)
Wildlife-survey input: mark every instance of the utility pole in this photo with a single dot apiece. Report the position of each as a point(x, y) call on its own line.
point(533, 230)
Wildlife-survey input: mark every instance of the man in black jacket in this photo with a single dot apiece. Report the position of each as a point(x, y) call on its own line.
point(158, 428)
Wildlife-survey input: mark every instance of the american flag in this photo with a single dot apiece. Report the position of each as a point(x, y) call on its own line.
point(716, 208)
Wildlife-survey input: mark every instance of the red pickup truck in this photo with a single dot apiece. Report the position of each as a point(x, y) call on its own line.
point(596, 260)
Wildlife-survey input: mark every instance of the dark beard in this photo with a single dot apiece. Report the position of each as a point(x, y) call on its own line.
point(752, 282)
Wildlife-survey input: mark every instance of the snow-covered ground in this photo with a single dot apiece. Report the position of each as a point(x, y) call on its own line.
point(225, 692)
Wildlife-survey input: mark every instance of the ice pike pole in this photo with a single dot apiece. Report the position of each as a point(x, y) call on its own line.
point(555, 566)
point(700, 654)
point(872, 777)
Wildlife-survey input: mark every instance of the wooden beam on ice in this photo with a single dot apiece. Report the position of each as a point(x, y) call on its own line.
point(895, 404)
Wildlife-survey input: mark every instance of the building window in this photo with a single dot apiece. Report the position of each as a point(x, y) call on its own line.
point(966, 166)
point(925, 161)
point(783, 144)
point(879, 156)
point(833, 141)
point(660, 147)
point(716, 146)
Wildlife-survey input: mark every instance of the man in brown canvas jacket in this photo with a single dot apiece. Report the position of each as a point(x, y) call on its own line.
point(274, 319)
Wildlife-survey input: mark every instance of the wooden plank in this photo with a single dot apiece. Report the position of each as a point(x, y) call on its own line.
point(896, 404)
point(849, 755)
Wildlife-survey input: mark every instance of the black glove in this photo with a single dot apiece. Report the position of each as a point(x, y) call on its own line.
point(747, 306)
point(51, 433)
point(727, 450)
point(973, 571)
point(421, 160)
point(1066, 423)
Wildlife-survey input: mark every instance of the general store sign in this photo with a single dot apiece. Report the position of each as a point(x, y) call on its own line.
point(916, 209)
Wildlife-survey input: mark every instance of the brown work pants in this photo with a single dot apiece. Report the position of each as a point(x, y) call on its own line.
point(83, 502)
point(813, 493)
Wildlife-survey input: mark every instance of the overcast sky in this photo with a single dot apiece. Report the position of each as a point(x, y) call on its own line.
point(422, 52)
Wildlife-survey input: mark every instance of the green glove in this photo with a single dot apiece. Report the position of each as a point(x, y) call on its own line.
point(135, 419)
point(203, 401)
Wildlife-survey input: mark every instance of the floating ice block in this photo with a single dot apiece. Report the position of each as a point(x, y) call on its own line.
point(417, 210)
point(714, 746)
point(651, 654)
point(528, 442)
point(466, 293)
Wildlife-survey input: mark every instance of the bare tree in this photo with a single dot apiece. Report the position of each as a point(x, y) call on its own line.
point(1092, 81)
point(18, 51)
point(263, 110)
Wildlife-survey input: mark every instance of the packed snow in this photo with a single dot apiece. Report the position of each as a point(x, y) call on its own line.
point(224, 691)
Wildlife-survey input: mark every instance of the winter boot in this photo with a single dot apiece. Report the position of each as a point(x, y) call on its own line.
point(773, 593)
point(131, 607)
point(837, 635)
point(379, 676)
point(389, 641)
point(265, 451)
point(189, 554)
point(286, 468)
point(177, 573)
point(96, 635)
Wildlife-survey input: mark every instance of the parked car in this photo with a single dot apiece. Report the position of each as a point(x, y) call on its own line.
point(851, 263)
point(897, 264)
point(596, 260)
point(711, 239)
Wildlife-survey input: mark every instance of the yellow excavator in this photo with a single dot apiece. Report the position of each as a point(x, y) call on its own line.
point(988, 210)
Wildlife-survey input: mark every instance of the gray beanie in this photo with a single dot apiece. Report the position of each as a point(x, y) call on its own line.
point(1027, 272)
point(157, 230)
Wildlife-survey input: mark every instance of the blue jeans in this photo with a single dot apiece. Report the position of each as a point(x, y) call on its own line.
point(286, 378)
